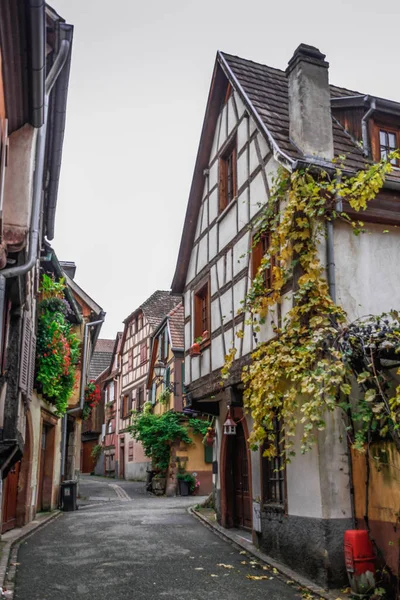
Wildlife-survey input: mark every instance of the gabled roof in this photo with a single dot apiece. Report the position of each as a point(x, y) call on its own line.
point(83, 295)
point(264, 92)
point(176, 327)
point(155, 308)
point(101, 359)
point(109, 372)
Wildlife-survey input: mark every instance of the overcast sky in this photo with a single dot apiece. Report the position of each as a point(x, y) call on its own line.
point(139, 82)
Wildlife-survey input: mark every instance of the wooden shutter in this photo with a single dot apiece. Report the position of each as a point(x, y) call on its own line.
point(25, 354)
point(32, 364)
point(167, 377)
point(166, 344)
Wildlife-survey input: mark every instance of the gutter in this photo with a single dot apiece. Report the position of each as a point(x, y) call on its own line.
point(38, 60)
point(37, 184)
point(59, 117)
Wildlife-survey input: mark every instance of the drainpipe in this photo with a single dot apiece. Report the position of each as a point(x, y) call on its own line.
point(330, 250)
point(364, 125)
point(37, 184)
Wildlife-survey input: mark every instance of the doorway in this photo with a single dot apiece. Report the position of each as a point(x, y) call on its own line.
point(236, 510)
point(10, 493)
point(46, 466)
point(88, 462)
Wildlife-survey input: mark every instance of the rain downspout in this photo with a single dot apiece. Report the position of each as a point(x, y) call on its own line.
point(364, 126)
point(37, 184)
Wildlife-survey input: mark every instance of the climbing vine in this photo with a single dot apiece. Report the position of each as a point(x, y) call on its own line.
point(308, 367)
point(157, 432)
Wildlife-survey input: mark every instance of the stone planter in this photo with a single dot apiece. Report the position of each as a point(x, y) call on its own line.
point(158, 485)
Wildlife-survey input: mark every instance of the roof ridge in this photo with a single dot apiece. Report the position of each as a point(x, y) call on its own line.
point(254, 62)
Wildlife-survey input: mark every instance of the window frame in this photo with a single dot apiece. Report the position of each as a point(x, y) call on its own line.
point(227, 162)
point(200, 294)
point(272, 479)
point(257, 254)
point(376, 127)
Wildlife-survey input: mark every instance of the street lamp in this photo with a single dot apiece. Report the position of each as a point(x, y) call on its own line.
point(159, 370)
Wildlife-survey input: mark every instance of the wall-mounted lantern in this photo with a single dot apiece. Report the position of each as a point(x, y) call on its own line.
point(159, 370)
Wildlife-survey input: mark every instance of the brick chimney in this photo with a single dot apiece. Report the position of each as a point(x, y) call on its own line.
point(310, 122)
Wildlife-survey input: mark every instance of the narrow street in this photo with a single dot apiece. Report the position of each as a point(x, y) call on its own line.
point(142, 547)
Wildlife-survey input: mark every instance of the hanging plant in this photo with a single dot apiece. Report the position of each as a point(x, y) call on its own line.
point(57, 347)
point(298, 376)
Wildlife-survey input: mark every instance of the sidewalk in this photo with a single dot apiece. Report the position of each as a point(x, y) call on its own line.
point(243, 539)
point(13, 538)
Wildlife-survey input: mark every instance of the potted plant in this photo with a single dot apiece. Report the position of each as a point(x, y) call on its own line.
point(186, 483)
point(195, 347)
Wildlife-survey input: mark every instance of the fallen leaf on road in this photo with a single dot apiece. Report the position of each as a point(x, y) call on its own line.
point(243, 552)
point(225, 566)
point(290, 582)
point(243, 562)
point(265, 568)
point(198, 569)
point(213, 575)
point(257, 577)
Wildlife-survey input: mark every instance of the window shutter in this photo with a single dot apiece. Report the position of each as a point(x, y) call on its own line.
point(208, 454)
point(183, 378)
point(32, 364)
point(153, 393)
point(166, 344)
point(25, 354)
point(167, 377)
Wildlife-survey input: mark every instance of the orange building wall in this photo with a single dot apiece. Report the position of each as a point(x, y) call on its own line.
point(384, 498)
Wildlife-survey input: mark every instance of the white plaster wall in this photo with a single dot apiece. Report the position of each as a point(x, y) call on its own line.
point(367, 277)
point(205, 362)
point(212, 242)
point(257, 195)
point(19, 178)
point(243, 209)
point(242, 169)
point(218, 355)
point(241, 254)
point(202, 257)
point(242, 134)
point(213, 205)
point(227, 226)
point(254, 162)
point(303, 482)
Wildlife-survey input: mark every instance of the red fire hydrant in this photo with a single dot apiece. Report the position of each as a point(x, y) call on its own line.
point(360, 560)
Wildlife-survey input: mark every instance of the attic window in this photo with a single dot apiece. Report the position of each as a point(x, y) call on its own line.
point(388, 143)
point(202, 312)
point(227, 176)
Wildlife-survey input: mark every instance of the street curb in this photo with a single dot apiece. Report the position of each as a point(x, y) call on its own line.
point(25, 532)
point(251, 549)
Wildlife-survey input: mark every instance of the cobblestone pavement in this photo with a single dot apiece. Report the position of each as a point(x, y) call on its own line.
point(143, 548)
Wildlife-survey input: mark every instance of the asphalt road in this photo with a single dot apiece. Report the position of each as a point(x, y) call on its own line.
point(136, 546)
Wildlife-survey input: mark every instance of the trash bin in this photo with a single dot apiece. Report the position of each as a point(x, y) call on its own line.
point(68, 495)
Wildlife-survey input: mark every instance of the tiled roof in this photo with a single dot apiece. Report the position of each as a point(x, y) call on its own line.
point(176, 320)
point(156, 307)
point(101, 358)
point(267, 89)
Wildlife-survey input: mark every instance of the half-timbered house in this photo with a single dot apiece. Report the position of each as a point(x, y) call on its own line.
point(166, 392)
point(258, 118)
point(135, 359)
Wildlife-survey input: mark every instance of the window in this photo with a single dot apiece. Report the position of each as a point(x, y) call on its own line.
point(163, 346)
point(387, 143)
point(130, 451)
point(227, 176)
point(125, 405)
point(260, 249)
point(273, 471)
point(139, 322)
point(110, 392)
point(130, 360)
point(139, 399)
point(143, 353)
point(110, 427)
point(202, 312)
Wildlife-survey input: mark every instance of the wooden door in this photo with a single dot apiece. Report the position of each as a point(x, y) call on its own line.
point(10, 493)
point(88, 462)
point(241, 481)
point(122, 459)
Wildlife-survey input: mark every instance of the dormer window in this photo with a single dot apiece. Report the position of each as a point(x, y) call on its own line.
point(388, 143)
